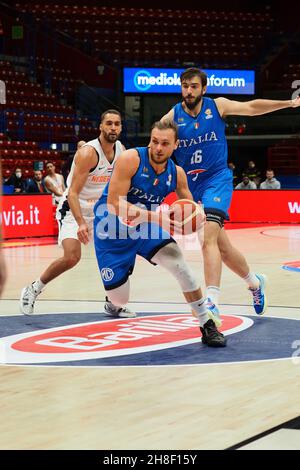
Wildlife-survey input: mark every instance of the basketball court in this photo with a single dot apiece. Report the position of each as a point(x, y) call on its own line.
point(71, 378)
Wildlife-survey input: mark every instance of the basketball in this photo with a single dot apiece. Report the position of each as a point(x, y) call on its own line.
point(189, 214)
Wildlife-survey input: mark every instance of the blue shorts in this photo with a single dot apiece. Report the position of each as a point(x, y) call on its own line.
point(215, 192)
point(116, 254)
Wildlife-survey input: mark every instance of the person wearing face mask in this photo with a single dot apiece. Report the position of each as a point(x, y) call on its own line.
point(17, 181)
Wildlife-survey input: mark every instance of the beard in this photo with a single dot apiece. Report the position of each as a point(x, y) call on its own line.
point(192, 104)
point(158, 160)
point(111, 138)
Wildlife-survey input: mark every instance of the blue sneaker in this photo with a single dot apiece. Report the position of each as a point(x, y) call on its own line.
point(259, 297)
point(214, 313)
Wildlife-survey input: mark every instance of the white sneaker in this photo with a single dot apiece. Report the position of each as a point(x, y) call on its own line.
point(27, 300)
point(117, 312)
point(214, 313)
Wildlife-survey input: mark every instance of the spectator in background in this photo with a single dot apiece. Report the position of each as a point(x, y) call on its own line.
point(246, 184)
point(54, 183)
point(235, 176)
point(80, 144)
point(17, 181)
point(271, 182)
point(66, 167)
point(36, 184)
point(253, 173)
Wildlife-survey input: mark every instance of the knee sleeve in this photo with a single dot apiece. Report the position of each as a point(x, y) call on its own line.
point(171, 258)
point(215, 217)
point(120, 295)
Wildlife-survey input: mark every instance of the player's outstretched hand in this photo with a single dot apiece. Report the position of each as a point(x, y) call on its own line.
point(296, 102)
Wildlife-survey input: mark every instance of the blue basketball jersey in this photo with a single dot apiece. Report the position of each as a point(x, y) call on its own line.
point(202, 150)
point(117, 242)
point(147, 187)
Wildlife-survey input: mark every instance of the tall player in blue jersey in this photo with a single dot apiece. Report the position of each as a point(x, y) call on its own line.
point(127, 224)
point(202, 153)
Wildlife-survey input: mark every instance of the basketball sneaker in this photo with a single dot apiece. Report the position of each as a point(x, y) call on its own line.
point(117, 312)
point(27, 299)
point(214, 313)
point(211, 336)
point(259, 296)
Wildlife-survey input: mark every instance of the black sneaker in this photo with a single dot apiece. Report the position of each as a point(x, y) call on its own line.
point(211, 336)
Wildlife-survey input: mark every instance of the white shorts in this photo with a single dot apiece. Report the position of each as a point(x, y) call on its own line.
point(67, 225)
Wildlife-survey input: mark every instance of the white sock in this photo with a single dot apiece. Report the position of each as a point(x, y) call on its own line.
point(252, 281)
point(38, 286)
point(213, 293)
point(200, 308)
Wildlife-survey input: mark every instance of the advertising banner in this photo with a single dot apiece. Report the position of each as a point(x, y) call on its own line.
point(27, 216)
point(162, 80)
point(275, 206)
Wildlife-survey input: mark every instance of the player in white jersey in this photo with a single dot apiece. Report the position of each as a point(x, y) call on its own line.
point(76, 205)
point(54, 182)
point(90, 171)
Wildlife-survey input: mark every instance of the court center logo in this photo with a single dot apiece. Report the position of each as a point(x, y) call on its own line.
point(110, 339)
point(107, 274)
point(151, 339)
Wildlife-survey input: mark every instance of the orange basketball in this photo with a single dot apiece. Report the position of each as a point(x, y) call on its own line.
point(189, 214)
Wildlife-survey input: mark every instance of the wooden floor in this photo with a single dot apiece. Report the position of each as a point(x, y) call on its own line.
point(168, 407)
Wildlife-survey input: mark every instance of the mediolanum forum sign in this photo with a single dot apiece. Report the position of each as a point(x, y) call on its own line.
point(154, 80)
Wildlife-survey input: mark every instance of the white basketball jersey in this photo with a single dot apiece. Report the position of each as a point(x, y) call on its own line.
point(99, 177)
point(58, 182)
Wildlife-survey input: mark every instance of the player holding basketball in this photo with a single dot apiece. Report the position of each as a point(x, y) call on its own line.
point(90, 172)
point(202, 153)
point(142, 178)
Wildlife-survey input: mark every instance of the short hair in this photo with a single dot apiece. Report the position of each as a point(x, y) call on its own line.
point(80, 143)
point(194, 72)
point(270, 169)
point(109, 111)
point(164, 125)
